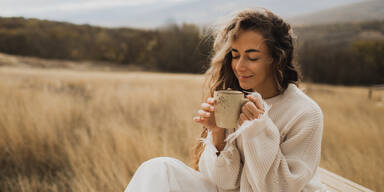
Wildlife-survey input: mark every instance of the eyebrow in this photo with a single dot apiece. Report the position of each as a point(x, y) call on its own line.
point(247, 51)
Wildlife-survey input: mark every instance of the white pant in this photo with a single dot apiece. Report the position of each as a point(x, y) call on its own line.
point(165, 174)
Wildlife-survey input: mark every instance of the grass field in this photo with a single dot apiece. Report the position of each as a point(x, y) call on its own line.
point(67, 130)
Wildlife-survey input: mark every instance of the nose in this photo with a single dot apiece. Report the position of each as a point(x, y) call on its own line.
point(241, 64)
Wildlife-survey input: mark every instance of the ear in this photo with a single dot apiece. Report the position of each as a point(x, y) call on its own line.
point(270, 61)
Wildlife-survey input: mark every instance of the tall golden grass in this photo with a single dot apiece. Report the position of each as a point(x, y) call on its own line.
point(64, 130)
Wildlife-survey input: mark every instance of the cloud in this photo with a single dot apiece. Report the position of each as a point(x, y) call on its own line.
point(39, 7)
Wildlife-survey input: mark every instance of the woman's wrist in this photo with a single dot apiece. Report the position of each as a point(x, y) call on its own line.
point(218, 138)
point(218, 130)
point(215, 129)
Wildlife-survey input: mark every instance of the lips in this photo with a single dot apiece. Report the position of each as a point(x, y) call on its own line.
point(244, 77)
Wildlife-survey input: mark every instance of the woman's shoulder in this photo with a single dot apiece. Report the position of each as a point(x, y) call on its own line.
point(299, 108)
point(297, 101)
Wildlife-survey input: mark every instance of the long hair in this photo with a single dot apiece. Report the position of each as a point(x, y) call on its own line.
point(279, 39)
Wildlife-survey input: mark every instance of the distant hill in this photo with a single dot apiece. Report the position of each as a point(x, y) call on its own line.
point(340, 33)
point(356, 12)
point(202, 12)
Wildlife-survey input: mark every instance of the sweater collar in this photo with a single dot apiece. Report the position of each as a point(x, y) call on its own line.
point(272, 100)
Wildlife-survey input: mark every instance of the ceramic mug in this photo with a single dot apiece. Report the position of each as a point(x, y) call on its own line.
point(227, 107)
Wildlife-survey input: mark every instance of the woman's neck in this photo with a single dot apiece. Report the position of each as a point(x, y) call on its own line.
point(267, 90)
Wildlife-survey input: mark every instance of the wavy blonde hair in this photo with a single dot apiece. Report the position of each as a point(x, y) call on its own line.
point(279, 39)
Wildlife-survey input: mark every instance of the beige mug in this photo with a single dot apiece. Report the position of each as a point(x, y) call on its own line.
point(227, 107)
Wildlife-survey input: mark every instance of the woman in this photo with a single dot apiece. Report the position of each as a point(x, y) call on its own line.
point(277, 144)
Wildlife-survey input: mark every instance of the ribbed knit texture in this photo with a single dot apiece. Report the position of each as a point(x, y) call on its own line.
point(279, 151)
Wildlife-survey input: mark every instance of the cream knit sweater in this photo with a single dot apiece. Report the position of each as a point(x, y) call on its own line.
point(279, 151)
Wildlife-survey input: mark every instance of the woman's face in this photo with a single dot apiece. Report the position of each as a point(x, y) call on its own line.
point(251, 60)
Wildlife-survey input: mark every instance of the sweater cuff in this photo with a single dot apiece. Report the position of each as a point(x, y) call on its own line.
point(226, 154)
point(247, 124)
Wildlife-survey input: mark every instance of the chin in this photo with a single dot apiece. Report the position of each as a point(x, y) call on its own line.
point(248, 86)
point(245, 86)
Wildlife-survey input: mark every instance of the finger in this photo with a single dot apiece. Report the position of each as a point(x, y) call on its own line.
point(200, 119)
point(250, 106)
point(242, 118)
point(203, 113)
point(255, 100)
point(211, 100)
point(248, 110)
point(197, 119)
point(207, 107)
point(260, 113)
point(252, 111)
point(229, 88)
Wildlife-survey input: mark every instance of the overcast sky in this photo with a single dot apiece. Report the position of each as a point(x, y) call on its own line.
point(151, 13)
point(31, 7)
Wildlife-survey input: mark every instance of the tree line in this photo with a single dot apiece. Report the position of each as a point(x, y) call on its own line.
point(344, 54)
point(350, 54)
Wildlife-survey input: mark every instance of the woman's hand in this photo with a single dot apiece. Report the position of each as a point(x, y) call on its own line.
point(251, 110)
point(207, 119)
point(206, 114)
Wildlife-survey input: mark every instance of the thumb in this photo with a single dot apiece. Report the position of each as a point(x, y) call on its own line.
point(255, 99)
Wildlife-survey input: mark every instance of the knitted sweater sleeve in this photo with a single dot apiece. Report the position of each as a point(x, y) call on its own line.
point(223, 170)
point(273, 163)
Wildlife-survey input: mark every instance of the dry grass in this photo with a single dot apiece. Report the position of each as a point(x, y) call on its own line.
point(353, 133)
point(64, 130)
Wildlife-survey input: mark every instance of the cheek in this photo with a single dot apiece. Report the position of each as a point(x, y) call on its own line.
point(257, 68)
point(260, 70)
point(233, 67)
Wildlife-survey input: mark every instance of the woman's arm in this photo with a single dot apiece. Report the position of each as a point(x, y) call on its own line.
point(223, 169)
point(218, 136)
point(275, 165)
point(220, 161)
